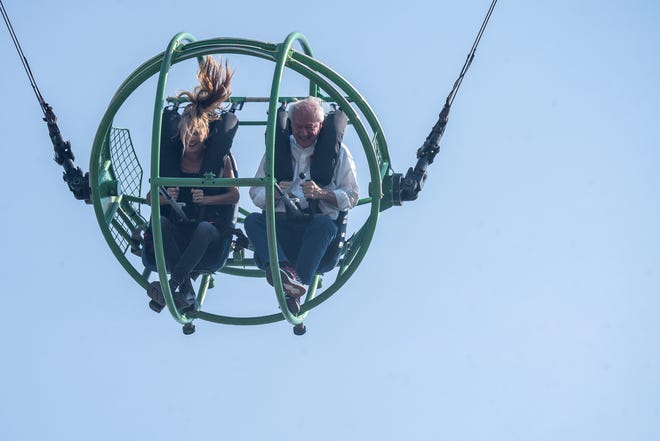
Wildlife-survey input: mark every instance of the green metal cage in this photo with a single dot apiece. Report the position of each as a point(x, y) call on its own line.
point(116, 175)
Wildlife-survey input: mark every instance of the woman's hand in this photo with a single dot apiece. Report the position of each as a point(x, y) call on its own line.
point(197, 196)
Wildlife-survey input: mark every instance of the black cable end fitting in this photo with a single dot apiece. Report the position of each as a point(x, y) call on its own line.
point(78, 184)
point(406, 188)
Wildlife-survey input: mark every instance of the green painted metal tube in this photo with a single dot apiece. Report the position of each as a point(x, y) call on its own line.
point(155, 173)
point(269, 167)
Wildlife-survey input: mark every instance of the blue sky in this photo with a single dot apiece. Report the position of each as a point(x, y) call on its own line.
point(516, 299)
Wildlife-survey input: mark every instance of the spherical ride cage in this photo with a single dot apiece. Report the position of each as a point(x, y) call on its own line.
point(184, 46)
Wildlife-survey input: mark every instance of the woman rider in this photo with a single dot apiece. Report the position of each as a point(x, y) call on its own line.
point(194, 143)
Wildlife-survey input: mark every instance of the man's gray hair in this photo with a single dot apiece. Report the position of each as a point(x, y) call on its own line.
point(311, 105)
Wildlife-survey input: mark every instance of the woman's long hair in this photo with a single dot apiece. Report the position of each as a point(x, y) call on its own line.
point(213, 90)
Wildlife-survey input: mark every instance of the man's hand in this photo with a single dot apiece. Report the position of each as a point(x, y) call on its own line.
point(312, 191)
point(283, 186)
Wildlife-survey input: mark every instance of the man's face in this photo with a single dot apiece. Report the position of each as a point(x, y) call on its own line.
point(305, 128)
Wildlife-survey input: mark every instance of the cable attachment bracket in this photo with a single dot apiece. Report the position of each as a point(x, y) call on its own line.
point(77, 182)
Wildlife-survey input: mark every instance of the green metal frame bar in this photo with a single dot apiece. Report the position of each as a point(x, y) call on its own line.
point(269, 169)
point(182, 47)
point(155, 181)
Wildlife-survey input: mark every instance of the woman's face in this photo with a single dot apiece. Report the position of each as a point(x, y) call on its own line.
point(195, 142)
point(193, 137)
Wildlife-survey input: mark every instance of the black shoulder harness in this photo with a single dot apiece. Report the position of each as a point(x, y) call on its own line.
point(219, 142)
point(171, 146)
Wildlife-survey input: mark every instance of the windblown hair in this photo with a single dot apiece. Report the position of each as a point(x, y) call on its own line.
point(214, 89)
point(311, 105)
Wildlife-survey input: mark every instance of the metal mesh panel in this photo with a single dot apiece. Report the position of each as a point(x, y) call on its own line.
point(128, 172)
